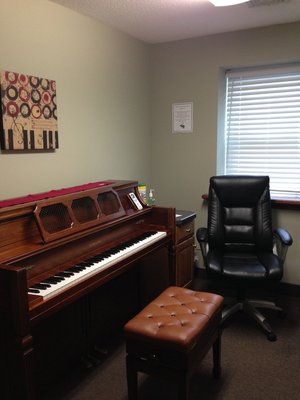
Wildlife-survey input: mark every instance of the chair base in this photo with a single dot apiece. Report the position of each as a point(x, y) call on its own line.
point(250, 307)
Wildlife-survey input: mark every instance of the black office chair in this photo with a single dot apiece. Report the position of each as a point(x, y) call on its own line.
point(239, 245)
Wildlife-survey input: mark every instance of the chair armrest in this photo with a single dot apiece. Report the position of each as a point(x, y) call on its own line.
point(284, 236)
point(282, 240)
point(201, 235)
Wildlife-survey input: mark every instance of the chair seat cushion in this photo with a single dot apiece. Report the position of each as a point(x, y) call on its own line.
point(263, 266)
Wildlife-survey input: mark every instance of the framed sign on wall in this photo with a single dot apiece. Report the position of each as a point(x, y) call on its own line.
point(182, 117)
point(28, 112)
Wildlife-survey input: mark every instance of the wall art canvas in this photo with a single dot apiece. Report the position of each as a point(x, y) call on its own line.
point(28, 112)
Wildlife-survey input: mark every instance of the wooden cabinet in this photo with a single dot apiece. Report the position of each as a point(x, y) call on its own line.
point(184, 248)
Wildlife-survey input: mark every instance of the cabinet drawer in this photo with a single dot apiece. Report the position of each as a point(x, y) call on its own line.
point(184, 231)
point(185, 262)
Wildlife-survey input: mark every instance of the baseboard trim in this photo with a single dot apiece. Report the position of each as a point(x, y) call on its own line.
point(284, 288)
point(289, 289)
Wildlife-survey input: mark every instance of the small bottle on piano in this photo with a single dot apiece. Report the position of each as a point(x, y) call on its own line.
point(151, 198)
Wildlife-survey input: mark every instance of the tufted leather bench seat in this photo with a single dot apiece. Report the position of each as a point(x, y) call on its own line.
point(171, 335)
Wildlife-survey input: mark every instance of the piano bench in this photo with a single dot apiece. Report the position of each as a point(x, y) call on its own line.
point(171, 335)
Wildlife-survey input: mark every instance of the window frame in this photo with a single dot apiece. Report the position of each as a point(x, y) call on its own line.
point(280, 200)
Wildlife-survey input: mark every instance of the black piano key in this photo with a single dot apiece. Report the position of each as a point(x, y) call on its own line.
point(51, 280)
point(56, 278)
point(95, 260)
point(31, 290)
point(65, 274)
point(76, 269)
point(85, 264)
point(41, 286)
point(59, 278)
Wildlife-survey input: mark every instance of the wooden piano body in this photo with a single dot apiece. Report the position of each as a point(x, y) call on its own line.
point(41, 236)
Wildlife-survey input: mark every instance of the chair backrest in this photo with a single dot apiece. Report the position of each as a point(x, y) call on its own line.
point(239, 214)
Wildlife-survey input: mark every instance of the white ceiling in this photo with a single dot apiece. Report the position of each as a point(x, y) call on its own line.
point(155, 21)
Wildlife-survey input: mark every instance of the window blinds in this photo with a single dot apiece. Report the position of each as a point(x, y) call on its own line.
point(262, 126)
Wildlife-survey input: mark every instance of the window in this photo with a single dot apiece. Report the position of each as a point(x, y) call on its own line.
point(261, 127)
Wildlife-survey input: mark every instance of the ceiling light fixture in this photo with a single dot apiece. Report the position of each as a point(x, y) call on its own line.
point(223, 3)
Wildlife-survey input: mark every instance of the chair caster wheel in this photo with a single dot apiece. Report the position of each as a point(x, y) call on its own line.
point(271, 337)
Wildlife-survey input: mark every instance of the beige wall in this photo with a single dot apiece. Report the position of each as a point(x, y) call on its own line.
point(114, 98)
point(102, 81)
point(190, 70)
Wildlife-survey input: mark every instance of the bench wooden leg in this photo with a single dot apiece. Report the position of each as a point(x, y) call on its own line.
point(217, 356)
point(132, 375)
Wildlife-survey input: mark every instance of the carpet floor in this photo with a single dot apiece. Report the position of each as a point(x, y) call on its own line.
point(253, 368)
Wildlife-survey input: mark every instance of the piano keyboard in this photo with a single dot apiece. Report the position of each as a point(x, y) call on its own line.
point(73, 275)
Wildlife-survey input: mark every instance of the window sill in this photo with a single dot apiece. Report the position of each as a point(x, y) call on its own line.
point(286, 204)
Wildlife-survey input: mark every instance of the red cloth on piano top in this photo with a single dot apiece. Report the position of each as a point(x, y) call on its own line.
point(52, 193)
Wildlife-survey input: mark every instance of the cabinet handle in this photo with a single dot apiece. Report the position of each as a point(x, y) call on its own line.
point(188, 230)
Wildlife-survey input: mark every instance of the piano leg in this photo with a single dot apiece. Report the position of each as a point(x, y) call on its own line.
point(16, 342)
point(24, 364)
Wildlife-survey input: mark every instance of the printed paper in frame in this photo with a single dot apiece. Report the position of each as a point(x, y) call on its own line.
point(28, 111)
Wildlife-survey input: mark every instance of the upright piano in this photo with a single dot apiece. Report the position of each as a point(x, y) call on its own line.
point(75, 264)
